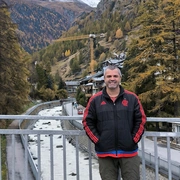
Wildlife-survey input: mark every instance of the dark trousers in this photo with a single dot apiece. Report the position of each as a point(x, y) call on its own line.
point(109, 168)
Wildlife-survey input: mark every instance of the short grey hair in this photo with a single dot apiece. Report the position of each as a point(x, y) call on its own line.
point(112, 67)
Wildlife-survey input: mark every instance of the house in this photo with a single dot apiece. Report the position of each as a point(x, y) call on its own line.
point(72, 86)
point(89, 85)
point(97, 84)
point(116, 62)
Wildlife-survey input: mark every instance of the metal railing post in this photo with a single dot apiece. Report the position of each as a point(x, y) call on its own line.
point(0, 159)
point(39, 157)
point(77, 158)
point(64, 157)
point(143, 158)
point(169, 158)
point(26, 158)
point(90, 159)
point(13, 157)
point(52, 157)
point(156, 159)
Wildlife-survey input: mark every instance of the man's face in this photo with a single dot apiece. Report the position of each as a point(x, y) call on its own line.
point(112, 78)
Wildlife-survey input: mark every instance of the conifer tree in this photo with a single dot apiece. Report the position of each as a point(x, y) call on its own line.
point(152, 66)
point(119, 33)
point(127, 26)
point(42, 77)
point(13, 67)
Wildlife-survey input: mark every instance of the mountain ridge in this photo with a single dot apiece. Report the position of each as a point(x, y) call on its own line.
point(40, 22)
point(92, 3)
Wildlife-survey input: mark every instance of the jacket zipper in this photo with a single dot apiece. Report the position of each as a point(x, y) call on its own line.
point(116, 128)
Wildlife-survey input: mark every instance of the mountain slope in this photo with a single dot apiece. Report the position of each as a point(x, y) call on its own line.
point(109, 18)
point(69, 10)
point(40, 22)
point(91, 3)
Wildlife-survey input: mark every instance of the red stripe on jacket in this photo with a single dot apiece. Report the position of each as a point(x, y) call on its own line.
point(88, 131)
point(143, 119)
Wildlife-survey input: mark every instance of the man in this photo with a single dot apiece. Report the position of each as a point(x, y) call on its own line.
point(114, 120)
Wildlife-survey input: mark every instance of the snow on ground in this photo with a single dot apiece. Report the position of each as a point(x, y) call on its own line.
point(58, 152)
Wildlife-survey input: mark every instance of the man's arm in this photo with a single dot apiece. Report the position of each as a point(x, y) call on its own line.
point(89, 122)
point(139, 121)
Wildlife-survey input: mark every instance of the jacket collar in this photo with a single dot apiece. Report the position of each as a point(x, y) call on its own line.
point(106, 94)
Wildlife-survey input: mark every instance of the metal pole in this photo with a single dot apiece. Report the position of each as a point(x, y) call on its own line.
point(143, 158)
point(13, 157)
point(64, 157)
point(169, 158)
point(72, 108)
point(52, 157)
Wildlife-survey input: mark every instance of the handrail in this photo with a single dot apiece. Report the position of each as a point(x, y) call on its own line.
point(172, 168)
point(149, 119)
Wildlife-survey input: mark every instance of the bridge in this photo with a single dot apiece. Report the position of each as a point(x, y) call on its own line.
point(158, 160)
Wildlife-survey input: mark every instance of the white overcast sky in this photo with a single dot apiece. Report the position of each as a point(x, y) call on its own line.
point(92, 3)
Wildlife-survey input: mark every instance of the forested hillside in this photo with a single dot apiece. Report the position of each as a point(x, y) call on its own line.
point(107, 19)
point(152, 66)
point(149, 34)
point(41, 22)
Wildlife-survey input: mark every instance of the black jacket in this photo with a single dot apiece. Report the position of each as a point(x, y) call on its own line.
point(114, 126)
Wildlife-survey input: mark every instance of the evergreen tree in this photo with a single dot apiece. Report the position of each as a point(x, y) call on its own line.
point(59, 81)
point(13, 67)
point(119, 33)
point(81, 97)
point(74, 65)
point(42, 77)
point(62, 94)
point(152, 67)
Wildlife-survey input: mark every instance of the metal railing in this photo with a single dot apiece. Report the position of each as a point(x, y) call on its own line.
point(152, 161)
point(28, 158)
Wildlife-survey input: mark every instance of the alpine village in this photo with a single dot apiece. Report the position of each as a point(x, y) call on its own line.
point(51, 50)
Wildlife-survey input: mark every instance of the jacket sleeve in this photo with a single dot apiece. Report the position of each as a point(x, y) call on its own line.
point(89, 121)
point(139, 121)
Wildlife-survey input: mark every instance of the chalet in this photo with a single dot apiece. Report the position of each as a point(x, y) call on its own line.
point(116, 62)
point(89, 85)
point(72, 86)
point(97, 84)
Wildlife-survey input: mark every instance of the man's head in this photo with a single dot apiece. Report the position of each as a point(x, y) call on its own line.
point(112, 77)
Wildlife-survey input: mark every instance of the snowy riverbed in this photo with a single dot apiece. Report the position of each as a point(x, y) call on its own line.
point(58, 152)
